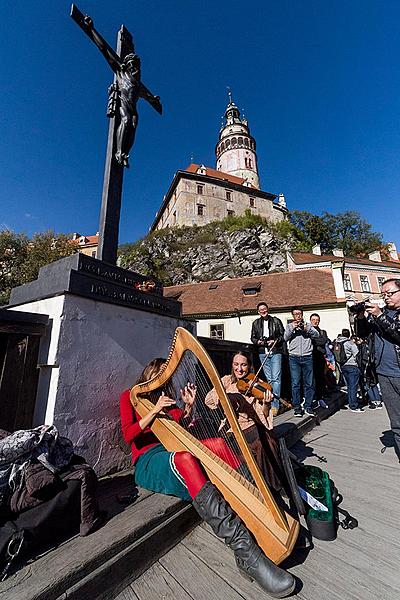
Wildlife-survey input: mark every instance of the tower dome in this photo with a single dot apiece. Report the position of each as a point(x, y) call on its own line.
point(236, 148)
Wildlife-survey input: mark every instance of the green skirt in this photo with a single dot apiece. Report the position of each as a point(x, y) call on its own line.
point(155, 471)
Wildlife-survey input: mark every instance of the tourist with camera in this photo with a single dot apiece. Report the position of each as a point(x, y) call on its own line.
point(299, 335)
point(381, 324)
point(267, 335)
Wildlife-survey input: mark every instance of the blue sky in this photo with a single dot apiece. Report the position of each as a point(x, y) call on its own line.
point(319, 83)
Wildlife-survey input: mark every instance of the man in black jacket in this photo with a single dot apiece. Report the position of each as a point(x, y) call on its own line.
point(383, 327)
point(319, 362)
point(267, 335)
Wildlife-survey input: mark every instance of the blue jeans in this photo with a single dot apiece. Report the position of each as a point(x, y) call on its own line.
point(301, 370)
point(272, 371)
point(351, 374)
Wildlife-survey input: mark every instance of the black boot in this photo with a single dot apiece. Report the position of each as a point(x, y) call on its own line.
point(252, 562)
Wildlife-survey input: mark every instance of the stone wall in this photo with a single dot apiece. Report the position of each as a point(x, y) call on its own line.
point(92, 352)
point(183, 208)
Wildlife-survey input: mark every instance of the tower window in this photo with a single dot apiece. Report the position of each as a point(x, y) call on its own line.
point(227, 144)
point(252, 202)
point(246, 142)
point(200, 189)
point(200, 210)
point(240, 141)
point(174, 217)
point(234, 141)
point(228, 195)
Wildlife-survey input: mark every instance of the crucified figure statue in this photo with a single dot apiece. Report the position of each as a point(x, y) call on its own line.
point(124, 92)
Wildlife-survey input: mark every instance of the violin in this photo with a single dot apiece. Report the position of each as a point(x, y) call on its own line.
point(252, 385)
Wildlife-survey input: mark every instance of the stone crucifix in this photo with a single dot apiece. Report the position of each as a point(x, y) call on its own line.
point(124, 93)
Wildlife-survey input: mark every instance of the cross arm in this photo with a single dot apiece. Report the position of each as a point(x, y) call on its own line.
point(151, 99)
point(86, 24)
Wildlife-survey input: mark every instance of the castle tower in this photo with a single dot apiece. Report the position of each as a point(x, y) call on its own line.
point(236, 148)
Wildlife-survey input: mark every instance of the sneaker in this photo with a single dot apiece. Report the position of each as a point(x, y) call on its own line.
point(298, 412)
point(378, 405)
point(323, 404)
point(310, 412)
point(358, 410)
point(372, 406)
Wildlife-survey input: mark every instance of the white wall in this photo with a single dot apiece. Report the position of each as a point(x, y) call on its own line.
point(332, 319)
point(100, 349)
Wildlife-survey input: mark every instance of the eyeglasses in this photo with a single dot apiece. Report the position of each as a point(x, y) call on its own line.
point(389, 294)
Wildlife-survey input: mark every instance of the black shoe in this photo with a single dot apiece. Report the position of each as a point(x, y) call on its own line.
point(310, 412)
point(251, 561)
point(298, 412)
point(357, 410)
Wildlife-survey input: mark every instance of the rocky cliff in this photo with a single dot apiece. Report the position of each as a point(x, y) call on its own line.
point(192, 254)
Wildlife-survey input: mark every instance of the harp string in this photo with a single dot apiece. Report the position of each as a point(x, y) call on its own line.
point(206, 423)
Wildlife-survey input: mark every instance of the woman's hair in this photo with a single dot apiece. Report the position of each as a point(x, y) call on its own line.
point(151, 370)
point(249, 362)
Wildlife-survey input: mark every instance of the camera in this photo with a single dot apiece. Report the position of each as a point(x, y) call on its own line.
point(300, 325)
point(354, 309)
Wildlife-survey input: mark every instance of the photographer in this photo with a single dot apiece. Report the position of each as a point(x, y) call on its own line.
point(299, 336)
point(382, 325)
point(267, 335)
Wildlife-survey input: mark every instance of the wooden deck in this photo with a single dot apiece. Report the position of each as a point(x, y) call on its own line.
point(362, 564)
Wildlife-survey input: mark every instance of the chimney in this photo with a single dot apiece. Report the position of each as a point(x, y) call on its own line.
point(317, 250)
point(393, 252)
point(375, 255)
point(338, 252)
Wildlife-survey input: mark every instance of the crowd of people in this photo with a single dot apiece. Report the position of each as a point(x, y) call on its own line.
point(366, 360)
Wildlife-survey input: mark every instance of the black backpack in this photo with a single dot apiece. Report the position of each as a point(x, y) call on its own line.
point(339, 352)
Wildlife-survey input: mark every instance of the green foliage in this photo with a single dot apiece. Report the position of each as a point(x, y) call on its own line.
point(238, 223)
point(347, 230)
point(21, 258)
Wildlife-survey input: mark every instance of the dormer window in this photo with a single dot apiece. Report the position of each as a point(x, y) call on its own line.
point(82, 239)
point(202, 170)
point(251, 289)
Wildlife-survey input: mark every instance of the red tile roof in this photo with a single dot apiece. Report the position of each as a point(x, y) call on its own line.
point(192, 168)
point(301, 258)
point(279, 290)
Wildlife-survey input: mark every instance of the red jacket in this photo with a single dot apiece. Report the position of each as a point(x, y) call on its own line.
point(140, 439)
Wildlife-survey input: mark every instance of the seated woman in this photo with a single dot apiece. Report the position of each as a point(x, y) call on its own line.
point(253, 419)
point(180, 474)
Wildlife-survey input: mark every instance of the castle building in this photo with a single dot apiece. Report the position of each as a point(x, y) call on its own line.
point(201, 194)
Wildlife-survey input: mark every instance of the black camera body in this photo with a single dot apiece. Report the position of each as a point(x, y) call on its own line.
point(355, 309)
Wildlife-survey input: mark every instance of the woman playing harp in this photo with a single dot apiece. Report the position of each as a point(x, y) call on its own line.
point(181, 474)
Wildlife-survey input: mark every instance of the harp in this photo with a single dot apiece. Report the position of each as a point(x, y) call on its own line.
point(247, 492)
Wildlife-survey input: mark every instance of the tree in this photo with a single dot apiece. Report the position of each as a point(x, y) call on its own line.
point(13, 251)
point(21, 258)
point(347, 230)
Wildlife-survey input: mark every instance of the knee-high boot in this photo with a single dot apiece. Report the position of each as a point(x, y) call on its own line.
point(250, 559)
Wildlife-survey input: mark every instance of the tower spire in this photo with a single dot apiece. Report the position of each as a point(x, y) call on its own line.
point(236, 147)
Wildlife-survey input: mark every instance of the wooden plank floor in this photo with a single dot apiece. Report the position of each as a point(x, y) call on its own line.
point(362, 564)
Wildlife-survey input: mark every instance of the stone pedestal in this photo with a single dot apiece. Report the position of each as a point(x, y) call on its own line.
point(102, 332)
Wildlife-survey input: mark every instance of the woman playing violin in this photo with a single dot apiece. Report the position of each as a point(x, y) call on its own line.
point(253, 417)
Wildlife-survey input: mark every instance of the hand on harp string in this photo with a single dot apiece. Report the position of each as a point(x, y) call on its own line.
point(188, 396)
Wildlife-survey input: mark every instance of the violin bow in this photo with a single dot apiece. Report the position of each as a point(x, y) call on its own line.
point(262, 365)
